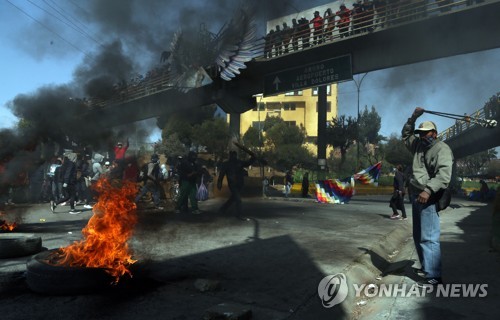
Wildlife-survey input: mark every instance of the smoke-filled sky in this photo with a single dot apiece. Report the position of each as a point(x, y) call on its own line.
point(52, 48)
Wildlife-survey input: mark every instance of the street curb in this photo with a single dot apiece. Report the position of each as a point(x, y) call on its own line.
point(363, 269)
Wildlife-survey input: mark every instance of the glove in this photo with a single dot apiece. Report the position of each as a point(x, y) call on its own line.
point(418, 112)
point(65, 185)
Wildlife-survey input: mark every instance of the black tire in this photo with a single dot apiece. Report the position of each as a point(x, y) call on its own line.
point(14, 245)
point(42, 277)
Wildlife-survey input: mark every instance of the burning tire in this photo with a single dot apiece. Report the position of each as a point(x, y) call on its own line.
point(46, 278)
point(19, 245)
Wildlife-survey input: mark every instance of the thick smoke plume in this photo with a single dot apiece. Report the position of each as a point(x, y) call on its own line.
point(119, 38)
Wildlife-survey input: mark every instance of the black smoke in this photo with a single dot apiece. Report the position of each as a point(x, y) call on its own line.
point(118, 38)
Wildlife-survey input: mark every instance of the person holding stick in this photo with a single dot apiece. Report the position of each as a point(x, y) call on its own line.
point(234, 171)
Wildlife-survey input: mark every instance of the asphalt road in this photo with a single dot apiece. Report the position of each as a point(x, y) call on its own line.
point(271, 262)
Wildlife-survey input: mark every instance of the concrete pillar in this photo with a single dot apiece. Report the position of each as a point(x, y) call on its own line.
point(234, 124)
point(322, 109)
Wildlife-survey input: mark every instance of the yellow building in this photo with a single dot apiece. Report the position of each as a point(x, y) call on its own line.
point(296, 108)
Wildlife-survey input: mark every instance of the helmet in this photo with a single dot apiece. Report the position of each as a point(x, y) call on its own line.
point(155, 158)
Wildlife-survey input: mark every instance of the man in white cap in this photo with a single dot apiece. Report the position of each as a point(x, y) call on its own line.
point(432, 167)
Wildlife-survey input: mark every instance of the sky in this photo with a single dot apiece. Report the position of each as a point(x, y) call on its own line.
point(52, 44)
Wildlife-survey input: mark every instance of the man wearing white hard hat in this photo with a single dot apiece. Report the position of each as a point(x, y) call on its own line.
point(432, 168)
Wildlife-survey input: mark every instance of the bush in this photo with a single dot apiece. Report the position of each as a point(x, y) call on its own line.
point(385, 181)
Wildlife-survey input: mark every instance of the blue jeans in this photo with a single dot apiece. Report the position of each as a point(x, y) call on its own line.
point(150, 187)
point(426, 232)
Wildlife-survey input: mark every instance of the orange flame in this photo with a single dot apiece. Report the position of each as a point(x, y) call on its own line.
point(104, 243)
point(5, 226)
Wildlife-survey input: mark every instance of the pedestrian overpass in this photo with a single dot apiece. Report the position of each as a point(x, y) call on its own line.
point(410, 35)
point(469, 137)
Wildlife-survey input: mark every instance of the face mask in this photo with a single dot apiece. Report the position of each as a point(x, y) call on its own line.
point(427, 141)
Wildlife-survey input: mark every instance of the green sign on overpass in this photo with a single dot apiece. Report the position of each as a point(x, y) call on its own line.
point(310, 75)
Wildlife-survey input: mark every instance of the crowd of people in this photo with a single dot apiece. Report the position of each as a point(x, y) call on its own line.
point(68, 180)
point(72, 178)
point(364, 16)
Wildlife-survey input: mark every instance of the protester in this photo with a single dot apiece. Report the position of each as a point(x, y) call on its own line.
point(53, 176)
point(120, 150)
point(84, 173)
point(344, 21)
point(317, 23)
point(304, 32)
point(151, 176)
point(397, 199)
point(483, 191)
point(234, 171)
point(68, 173)
point(295, 34)
point(432, 168)
point(265, 187)
point(188, 175)
point(288, 183)
point(305, 185)
point(329, 20)
point(131, 171)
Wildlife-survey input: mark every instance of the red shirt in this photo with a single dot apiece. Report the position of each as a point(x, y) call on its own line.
point(120, 152)
point(317, 23)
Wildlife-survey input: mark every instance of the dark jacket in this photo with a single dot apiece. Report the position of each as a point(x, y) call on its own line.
point(234, 170)
point(399, 182)
point(68, 172)
point(189, 171)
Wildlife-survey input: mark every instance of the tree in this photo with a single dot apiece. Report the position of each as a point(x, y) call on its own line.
point(283, 144)
point(253, 139)
point(183, 121)
point(180, 127)
point(288, 156)
point(369, 126)
point(282, 133)
point(214, 135)
point(341, 133)
point(271, 122)
point(475, 164)
point(171, 146)
point(396, 151)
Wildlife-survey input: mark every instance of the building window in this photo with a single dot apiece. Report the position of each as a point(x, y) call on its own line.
point(261, 106)
point(328, 91)
point(289, 106)
point(258, 124)
point(294, 93)
point(291, 123)
point(273, 106)
point(274, 113)
point(328, 106)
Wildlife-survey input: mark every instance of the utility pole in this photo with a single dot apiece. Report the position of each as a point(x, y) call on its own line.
point(358, 86)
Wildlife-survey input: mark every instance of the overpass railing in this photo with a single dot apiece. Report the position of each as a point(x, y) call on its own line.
point(294, 40)
point(361, 19)
point(488, 112)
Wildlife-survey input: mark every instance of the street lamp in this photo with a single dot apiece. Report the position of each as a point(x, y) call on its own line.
point(358, 86)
